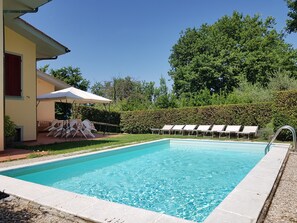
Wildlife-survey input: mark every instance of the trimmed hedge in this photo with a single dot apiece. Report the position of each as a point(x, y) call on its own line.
point(243, 114)
point(97, 115)
point(285, 112)
point(282, 111)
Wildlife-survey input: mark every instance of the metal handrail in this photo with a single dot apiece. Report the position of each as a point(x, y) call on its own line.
point(267, 148)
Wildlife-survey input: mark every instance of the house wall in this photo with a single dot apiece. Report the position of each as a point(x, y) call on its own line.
point(45, 109)
point(22, 110)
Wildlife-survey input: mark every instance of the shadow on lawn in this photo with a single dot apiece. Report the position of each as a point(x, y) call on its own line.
point(84, 144)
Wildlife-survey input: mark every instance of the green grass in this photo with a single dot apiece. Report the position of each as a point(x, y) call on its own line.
point(93, 145)
point(105, 143)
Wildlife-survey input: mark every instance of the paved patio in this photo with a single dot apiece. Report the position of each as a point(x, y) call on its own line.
point(42, 139)
point(14, 154)
point(10, 154)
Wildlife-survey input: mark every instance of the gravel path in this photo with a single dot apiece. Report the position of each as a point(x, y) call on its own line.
point(15, 210)
point(284, 204)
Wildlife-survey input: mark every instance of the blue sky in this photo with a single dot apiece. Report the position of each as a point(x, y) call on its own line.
point(116, 38)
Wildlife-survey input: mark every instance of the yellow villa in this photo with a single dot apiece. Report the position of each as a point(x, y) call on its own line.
point(46, 109)
point(24, 45)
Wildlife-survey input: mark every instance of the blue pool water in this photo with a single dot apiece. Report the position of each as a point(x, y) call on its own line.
point(183, 178)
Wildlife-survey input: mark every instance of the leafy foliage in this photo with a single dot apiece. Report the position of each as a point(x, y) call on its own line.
point(74, 78)
point(255, 93)
point(71, 76)
point(219, 56)
point(9, 127)
point(285, 111)
point(292, 22)
point(129, 94)
point(97, 115)
point(244, 114)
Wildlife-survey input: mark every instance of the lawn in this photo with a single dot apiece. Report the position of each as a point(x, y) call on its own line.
point(93, 145)
point(106, 143)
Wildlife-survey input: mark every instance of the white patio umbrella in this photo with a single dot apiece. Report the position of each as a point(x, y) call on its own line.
point(73, 95)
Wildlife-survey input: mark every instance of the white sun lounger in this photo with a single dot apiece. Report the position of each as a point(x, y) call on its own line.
point(177, 129)
point(189, 128)
point(155, 130)
point(216, 129)
point(230, 129)
point(166, 128)
point(203, 129)
point(249, 130)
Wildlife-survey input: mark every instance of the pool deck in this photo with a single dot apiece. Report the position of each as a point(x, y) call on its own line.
point(244, 204)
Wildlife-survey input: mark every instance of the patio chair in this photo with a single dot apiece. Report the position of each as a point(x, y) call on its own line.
point(248, 130)
point(79, 129)
point(203, 129)
point(166, 128)
point(190, 129)
point(44, 126)
point(52, 125)
point(177, 129)
point(216, 129)
point(88, 127)
point(55, 125)
point(61, 130)
point(229, 130)
point(71, 128)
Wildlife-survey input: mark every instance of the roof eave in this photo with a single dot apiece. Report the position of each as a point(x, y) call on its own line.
point(46, 46)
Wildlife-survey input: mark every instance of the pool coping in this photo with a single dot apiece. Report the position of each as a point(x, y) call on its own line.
point(243, 204)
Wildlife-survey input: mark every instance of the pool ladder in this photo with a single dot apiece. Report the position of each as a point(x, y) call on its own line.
point(292, 130)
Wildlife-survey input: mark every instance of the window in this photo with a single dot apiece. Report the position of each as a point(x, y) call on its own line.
point(12, 70)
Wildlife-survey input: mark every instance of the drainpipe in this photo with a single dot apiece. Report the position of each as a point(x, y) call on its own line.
point(52, 58)
point(20, 11)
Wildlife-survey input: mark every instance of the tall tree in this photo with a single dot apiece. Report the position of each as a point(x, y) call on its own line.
point(71, 76)
point(292, 22)
point(44, 68)
point(219, 56)
point(163, 98)
point(98, 89)
point(126, 93)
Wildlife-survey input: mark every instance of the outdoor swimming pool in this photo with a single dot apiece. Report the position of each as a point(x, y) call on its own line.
point(183, 178)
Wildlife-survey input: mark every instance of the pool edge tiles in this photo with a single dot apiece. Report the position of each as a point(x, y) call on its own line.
point(85, 207)
point(244, 204)
point(104, 211)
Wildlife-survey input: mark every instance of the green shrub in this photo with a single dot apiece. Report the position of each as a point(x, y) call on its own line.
point(97, 115)
point(285, 112)
point(243, 114)
point(9, 127)
point(267, 131)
